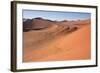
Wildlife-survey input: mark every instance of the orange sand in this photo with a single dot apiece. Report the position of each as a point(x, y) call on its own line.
point(72, 46)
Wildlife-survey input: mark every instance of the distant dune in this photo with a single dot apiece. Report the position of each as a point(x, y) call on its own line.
point(46, 40)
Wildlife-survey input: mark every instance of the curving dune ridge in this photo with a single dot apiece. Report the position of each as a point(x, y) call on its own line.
point(55, 41)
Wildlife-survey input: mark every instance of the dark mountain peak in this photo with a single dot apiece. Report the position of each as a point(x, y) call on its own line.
point(39, 18)
point(64, 21)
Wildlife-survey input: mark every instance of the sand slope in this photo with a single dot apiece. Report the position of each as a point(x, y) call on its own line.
point(50, 44)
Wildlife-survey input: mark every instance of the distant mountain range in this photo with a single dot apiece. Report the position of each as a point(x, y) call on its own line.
point(40, 23)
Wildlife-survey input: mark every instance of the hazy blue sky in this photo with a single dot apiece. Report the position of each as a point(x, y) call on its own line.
point(53, 15)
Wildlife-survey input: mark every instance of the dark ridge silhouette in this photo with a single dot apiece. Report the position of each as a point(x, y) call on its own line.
point(36, 24)
point(40, 24)
point(27, 25)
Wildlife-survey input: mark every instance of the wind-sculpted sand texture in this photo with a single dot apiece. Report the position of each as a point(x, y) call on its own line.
point(56, 41)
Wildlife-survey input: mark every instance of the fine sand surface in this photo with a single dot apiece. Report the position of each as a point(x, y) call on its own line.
point(57, 43)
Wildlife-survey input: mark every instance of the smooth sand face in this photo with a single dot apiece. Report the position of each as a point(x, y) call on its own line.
point(54, 45)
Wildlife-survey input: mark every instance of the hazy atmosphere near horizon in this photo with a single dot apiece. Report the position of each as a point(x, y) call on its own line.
point(55, 15)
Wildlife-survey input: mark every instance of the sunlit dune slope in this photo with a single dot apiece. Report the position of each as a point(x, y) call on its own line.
point(57, 43)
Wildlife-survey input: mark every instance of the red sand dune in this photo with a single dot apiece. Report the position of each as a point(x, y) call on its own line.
point(58, 42)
